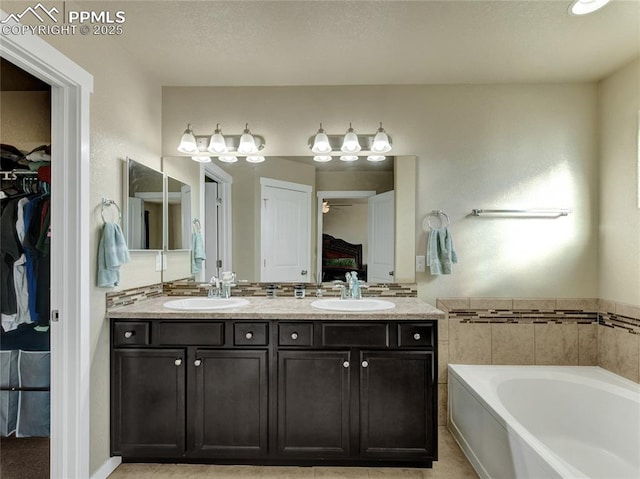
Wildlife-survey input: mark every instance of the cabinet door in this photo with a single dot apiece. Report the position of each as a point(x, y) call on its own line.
point(313, 403)
point(397, 405)
point(148, 402)
point(230, 402)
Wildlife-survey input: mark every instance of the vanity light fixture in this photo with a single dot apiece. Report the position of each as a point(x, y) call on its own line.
point(188, 142)
point(255, 159)
point(321, 143)
point(583, 7)
point(228, 159)
point(201, 159)
point(325, 206)
point(350, 144)
point(376, 158)
point(349, 158)
point(197, 146)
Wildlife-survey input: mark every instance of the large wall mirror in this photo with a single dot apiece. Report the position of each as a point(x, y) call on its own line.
point(345, 219)
point(143, 206)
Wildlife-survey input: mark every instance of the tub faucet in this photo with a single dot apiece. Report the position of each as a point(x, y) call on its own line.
point(214, 288)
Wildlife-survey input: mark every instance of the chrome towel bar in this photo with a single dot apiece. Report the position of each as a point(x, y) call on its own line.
point(526, 213)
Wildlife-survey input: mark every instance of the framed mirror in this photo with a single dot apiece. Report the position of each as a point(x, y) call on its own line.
point(179, 223)
point(143, 206)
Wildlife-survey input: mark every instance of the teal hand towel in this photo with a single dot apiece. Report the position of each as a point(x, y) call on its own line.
point(112, 253)
point(197, 252)
point(440, 252)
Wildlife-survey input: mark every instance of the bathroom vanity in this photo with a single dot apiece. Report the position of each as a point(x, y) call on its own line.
point(275, 382)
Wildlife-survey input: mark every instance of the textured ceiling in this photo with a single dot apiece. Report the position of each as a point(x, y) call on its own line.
point(376, 42)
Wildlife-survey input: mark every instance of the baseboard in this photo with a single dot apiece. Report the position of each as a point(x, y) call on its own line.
point(107, 468)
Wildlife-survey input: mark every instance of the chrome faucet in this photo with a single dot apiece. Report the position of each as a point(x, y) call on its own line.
point(227, 281)
point(214, 288)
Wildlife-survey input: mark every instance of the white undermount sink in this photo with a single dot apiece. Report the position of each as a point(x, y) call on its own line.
point(205, 304)
point(369, 304)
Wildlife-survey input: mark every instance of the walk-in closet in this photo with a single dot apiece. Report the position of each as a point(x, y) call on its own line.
point(25, 137)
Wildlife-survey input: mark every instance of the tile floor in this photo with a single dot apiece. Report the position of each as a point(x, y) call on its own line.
point(452, 465)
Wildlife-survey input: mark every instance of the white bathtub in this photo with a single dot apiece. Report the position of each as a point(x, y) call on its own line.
point(546, 421)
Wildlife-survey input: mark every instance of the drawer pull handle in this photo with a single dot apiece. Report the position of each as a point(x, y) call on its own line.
point(417, 336)
point(197, 362)
point(249, 335)
point(345, 364)
point(178, 362)
point(365, 364)
point(128, 334)
point(294, 335)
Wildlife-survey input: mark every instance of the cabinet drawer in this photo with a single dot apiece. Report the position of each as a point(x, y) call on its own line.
point(295, 334)
point(250, 334)
point(411, 335)
point(187, 333)
point(355, 335)
point(127, 333)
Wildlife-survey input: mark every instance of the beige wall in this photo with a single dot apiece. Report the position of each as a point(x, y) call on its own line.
point(619, 256)
point(478, 146)
point(125, 121)
point(25, 117)
point(378, 181)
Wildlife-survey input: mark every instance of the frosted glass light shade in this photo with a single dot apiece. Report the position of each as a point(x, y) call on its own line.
point(349, 158)
point(322, 158)
point(582, 7)
point(188, 142)
point(217, 143)
point(350, 144)
point(381, 142)
point(247, 144)
point(321, 142)
point(201, 159)
point(255, 159)
point(228, 159)
point(376, 158)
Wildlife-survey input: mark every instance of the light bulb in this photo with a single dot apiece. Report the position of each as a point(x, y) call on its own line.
point(381, 142)
point(321, 142)
point(201, 159)
point(217, 143)
point(247, 144)
point(228, 159)
point(255, 159)
point(582, 7)
point(188, 141)
point(350, 143)
point(376, 158)
point(322, 158)
point(349, 158)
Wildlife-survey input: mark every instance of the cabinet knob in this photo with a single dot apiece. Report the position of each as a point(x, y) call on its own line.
point(294, 335)
point(365, 364)
point(249, 335)
point(416, 336)
point(178, 362)
point(345, 364)
point(128, 334)
point(197, 362)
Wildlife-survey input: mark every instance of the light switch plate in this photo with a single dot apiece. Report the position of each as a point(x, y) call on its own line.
point(420, 264)
point(159, 262)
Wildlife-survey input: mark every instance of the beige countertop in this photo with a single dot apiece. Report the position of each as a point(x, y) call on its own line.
point(277, 308)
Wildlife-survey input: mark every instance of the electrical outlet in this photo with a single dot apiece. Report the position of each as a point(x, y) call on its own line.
point(420, 264)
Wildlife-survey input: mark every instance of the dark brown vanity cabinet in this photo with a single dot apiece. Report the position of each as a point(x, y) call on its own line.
point(275, 392)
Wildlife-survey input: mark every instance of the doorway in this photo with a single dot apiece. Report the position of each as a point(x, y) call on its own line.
point(216, 208)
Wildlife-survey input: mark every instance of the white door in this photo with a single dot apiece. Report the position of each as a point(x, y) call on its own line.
point(381, 264)
point(211, 230)
point(285, 231)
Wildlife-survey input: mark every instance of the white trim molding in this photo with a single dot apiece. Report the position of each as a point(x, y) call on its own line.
point(71, 87)
point(107, 468)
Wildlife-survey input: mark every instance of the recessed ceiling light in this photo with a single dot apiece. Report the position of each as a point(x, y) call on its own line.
point(582, 7)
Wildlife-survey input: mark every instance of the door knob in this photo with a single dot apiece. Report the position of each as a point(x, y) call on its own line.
point(128, 334)
point(178, 362)
point(416, 336)
point(294, 335)
point(345, 364)
point(365, 364)
point(249, 335)
point(303, 272)
point(197, 362)
point(390, 273)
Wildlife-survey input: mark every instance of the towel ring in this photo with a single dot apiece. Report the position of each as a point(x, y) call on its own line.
point(442, 217)
point(106, 203)
point(196, 225)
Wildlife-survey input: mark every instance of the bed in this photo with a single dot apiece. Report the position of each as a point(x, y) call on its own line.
point(340, 257)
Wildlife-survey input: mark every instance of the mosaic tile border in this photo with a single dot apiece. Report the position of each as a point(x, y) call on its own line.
point(612, 320)
point(133, 295)
point(191, 288)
